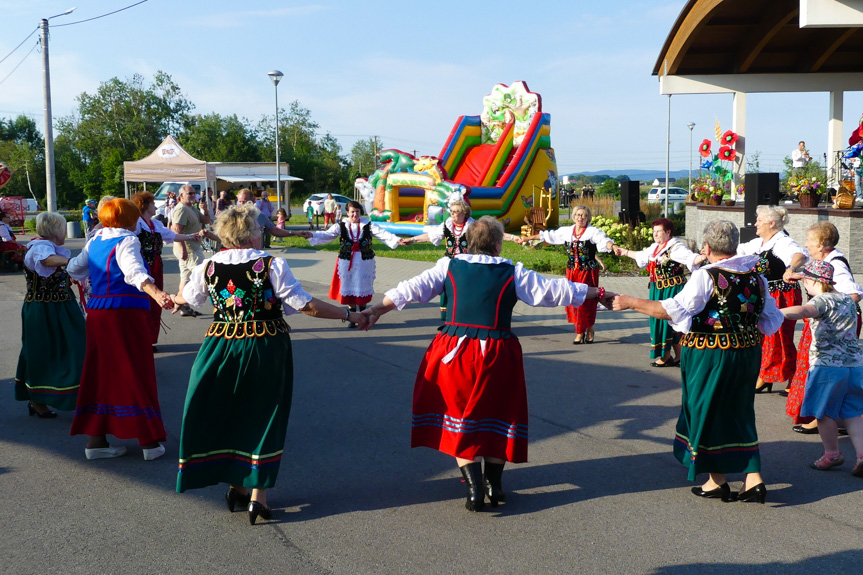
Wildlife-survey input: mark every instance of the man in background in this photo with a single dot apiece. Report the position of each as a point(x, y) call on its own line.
point(187, 218)
point(800, 157)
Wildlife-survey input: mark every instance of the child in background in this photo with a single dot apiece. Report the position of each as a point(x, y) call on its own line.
point(281, 217)
point(834, 388)
point(310, 213)
point(338, 212)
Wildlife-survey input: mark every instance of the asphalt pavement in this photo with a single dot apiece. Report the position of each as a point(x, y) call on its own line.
point(602, 492)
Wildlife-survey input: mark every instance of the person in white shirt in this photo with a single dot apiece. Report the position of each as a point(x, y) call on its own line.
point(800, 157)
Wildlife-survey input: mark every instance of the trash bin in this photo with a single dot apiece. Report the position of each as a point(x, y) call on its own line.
point(73, 230)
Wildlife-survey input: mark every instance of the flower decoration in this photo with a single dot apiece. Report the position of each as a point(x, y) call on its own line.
point(704, 148)
point(727, 153)
point(729, 138)
point(747, 301)
point(803, 186)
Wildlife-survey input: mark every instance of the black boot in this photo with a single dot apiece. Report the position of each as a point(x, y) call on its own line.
point(492, 480)
point(472, 473)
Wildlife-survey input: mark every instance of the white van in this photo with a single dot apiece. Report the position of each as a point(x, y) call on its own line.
point(32, 205)
point(161, 195)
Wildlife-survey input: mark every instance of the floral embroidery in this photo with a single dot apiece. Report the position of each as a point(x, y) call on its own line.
point(235, 304)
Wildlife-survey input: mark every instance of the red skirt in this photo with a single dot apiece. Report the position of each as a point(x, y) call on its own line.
point(583, 316)
point(118, 394)
point(475, 405)
point(778, 354)
point(154, 315)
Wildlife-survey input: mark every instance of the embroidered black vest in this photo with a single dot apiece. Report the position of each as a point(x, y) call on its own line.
point(52, 289)
point(151, 246)
point(773, 268)
point(365, 242)
point(242, 296)
point(454, 245)
point(668, 272)
point(582, 255)
point(480, 298)
point(730, 318)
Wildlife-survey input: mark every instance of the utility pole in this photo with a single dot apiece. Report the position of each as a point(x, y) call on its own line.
point(50, 181)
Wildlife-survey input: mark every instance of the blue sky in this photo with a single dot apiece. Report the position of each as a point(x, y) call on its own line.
point(406, 71)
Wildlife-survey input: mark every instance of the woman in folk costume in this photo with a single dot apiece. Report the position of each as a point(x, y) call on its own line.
point(52, 325)
point(118, 393)
point(153, 235)
point(779, 254)
point(354, 277)
point(453, 232)
point(7, 241)
point(666, 260)
point(239, 396)
point(821, 240)
point(723, 309)
point(470, 397)
point(582, 241)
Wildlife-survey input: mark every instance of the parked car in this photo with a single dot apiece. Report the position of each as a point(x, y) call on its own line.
point(674, 195)
point(317, 203)
point(32, 205)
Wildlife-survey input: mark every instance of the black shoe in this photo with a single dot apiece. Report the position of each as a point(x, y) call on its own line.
point(757, 493)
point(805, 430)
point(472, 473)
point(842, 431)
point(783, 393)
point(155, 349)
point(492, 482)
point(766, 388)
point(722, 492)
point(669, 363)
point(256, 509)
point(234, 497)
point(44, 415)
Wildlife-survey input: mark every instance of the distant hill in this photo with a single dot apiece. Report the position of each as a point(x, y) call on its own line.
point(637, 174)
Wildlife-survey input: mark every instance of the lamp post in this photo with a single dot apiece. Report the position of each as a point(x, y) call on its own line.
point(276, 77)
point(690, 125)
point(50, 181)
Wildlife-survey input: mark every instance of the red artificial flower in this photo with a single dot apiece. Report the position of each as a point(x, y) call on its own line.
point(729, 138)
point(704, 148)
point(727, 153)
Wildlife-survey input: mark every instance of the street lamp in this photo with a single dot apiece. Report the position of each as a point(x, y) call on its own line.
point(690, 125)
point(276, 77)
point(50, 181)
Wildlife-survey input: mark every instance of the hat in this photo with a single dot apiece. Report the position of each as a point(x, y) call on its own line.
point(819, 271)
point(90, 201)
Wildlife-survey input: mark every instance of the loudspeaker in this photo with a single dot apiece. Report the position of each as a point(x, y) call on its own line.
point(630, 202)
point(761, 190)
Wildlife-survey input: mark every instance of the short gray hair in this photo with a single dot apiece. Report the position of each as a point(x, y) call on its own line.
point(722, 237)
point(238, 225)
point(776, 214)
point(580, 207)
point(485, 236)
point(50, 225)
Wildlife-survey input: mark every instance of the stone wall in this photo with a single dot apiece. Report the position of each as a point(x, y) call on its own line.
point(848, 222)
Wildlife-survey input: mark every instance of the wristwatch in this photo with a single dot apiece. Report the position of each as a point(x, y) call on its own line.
point(347, 314)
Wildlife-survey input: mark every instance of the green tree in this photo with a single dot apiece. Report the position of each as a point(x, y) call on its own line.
point(609, 187)
point(216, 138)
point(22, 148)
point(362, 157)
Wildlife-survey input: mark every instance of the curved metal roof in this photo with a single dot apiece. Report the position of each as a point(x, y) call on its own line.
point(755, 37)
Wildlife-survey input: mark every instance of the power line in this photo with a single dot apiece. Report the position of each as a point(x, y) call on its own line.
point(19, 63)
point(97, 17)
point(19, 45)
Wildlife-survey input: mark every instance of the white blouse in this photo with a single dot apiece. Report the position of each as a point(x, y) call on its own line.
point(5, 232)
point(676, 250)
point(158, 227)
point(435, 233)
point(334, 231)
point(39, 250)
point(285, 286)
point(530, 287)
point(699, 289)
point(591, 234)
point(842, 275)
point(128, 258)
point(784, 247)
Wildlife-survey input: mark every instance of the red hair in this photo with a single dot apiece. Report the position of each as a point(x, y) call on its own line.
point(119, 213)
point(143, 200)
point(666, 224)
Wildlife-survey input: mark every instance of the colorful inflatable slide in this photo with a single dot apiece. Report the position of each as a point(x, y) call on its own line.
point(499, 162)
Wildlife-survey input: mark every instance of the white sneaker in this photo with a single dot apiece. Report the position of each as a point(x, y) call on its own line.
point(154, 453)
point(104, 452)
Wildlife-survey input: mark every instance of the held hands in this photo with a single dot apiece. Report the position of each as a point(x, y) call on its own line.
point(360, 319)
point(406, 241)
point(371, 318)
point(618, 302)
point(790, 276)
point(166, 301)
point(619, 251)
point(302, 234)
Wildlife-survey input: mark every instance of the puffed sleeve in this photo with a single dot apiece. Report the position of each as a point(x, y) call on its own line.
point(691, 300)
point(421, 288)
point(598, 237)
point(771, 317)
point(38, 252)
point(786, 248)
point(538, 291)
point(556, 237)
point(844, 280)
point(195, 290)
point(435, 233)
point(287, 288)
point(391, 240)
point(5, 233)
point(749, 248)
point(642, 258)
point(131, 262)
point(325, 236)
point(682, 254)
point(79, 266)
point(166, 233)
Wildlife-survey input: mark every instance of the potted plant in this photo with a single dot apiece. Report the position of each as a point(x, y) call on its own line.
point(808, 191)
point(726, 199)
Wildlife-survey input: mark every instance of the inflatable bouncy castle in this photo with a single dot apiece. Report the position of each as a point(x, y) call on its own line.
point(499, 162)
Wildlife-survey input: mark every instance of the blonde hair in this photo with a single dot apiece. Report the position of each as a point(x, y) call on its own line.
point(824, 233)
point(586, 210)
point(104, 200)
point(238, 226)
point(460, 204)
point(776, 214)
point(50, 225)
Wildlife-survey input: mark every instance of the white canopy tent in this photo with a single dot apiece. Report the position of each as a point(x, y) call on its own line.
point(169, 162)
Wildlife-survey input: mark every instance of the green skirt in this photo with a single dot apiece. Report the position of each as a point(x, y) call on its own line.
point(53, 342)
point(236, 413)
point(662, 337)
point(716, 429)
